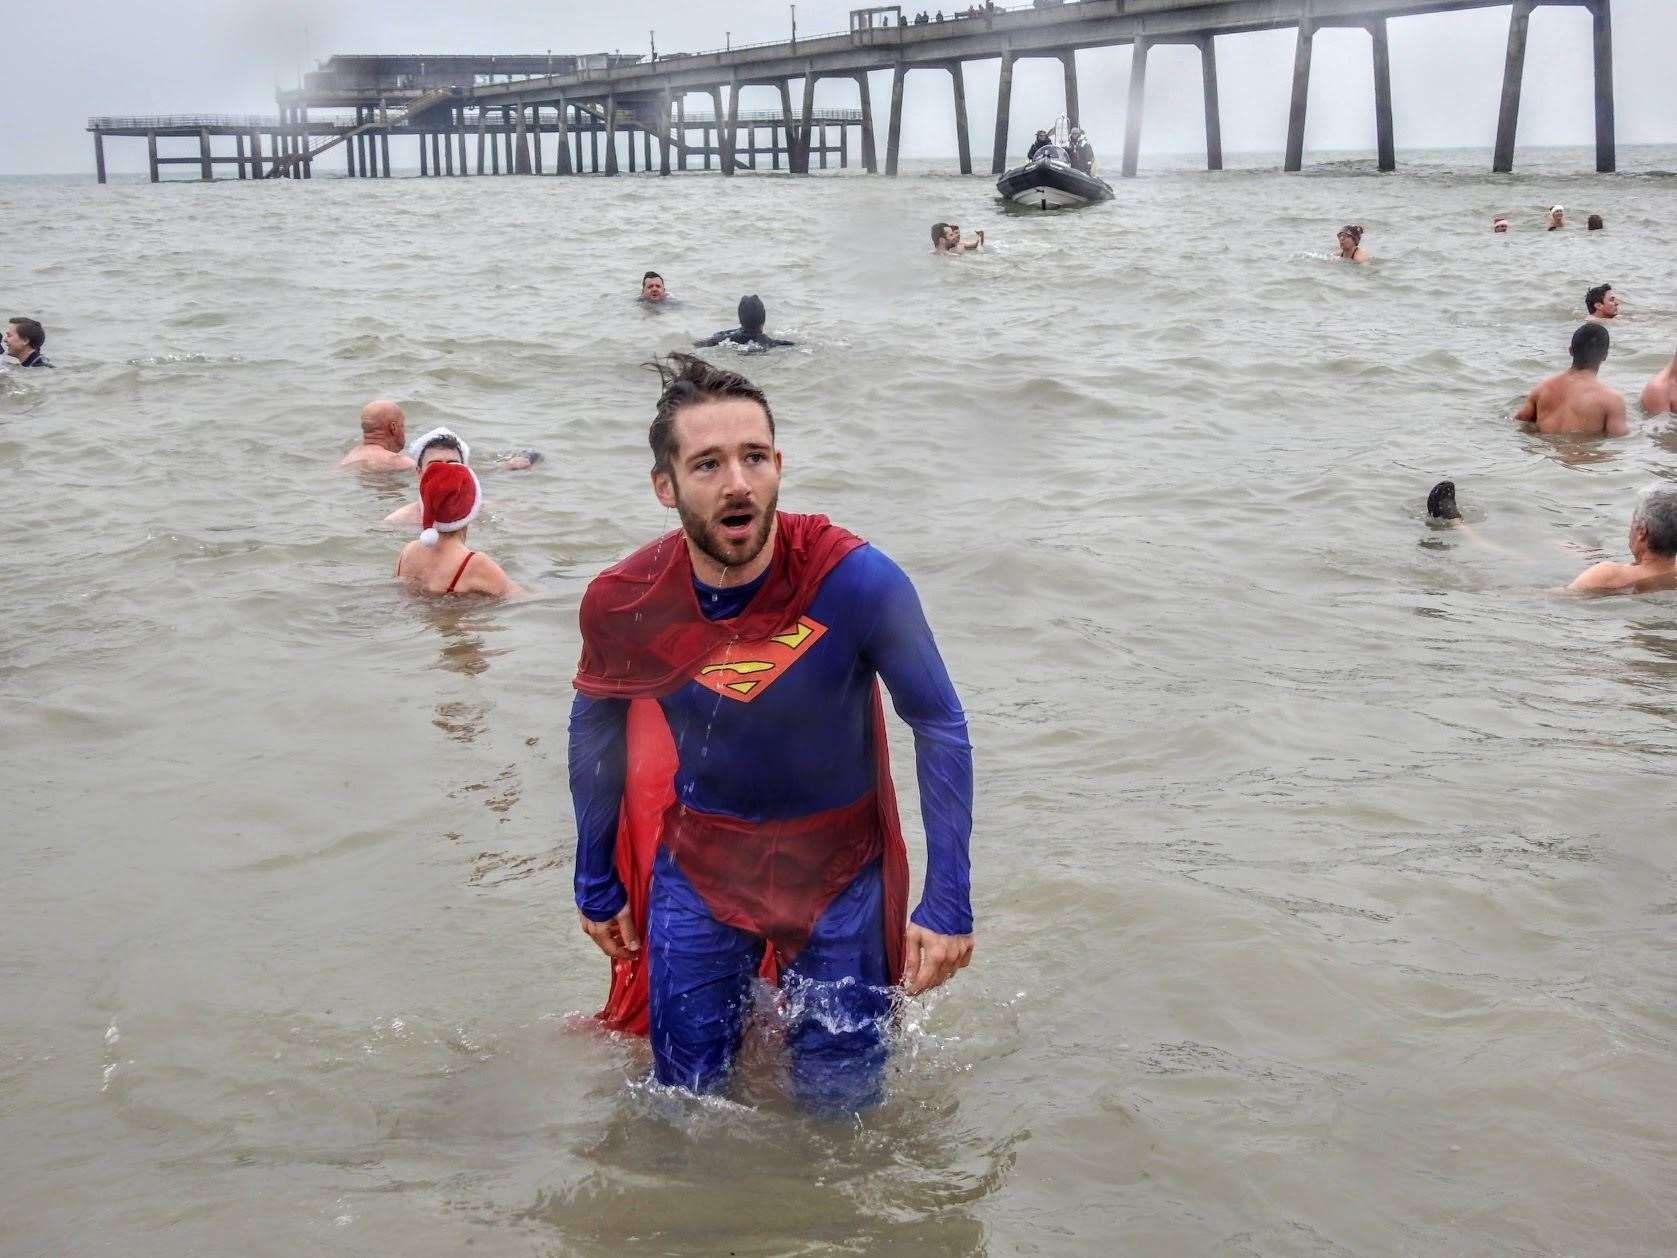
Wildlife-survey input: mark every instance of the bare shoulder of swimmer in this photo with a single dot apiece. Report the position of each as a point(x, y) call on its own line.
point(410, 514)
point(485, 576)
point(1603, 578)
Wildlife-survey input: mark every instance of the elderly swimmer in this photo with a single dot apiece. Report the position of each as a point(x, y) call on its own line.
point(1653, 551)
point(383, 432)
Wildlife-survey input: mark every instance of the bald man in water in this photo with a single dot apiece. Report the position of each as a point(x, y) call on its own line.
point(1660, 395)
point(1576, 402)
point(384, 431)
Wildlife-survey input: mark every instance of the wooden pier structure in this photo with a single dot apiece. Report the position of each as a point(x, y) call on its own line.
point(510, 105)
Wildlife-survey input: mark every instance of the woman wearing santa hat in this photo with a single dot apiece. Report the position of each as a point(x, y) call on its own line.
point(444, 445)
point(440, 562)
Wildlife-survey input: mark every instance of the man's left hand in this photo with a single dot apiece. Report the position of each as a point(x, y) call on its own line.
point(930, 959)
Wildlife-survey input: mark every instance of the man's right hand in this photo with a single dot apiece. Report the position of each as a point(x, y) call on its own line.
point(616, 938)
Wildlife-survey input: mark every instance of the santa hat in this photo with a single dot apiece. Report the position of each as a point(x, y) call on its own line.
point(449, 500)
point(418, 444)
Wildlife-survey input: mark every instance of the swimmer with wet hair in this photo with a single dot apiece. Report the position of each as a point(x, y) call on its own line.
point(653, 290)
point(1595, 223)
point(1600, 303)
point(1351, 243)
point(1576, 402)
point(438, 561)
point(1659, 395)
point(950, 242)
point(1653, 551)
point(383, 433)
point(752, 316)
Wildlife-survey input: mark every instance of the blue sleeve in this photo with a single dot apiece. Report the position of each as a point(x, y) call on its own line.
point(901, 649)
point(599, 757)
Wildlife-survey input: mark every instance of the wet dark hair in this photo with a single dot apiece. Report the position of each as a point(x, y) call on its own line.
point(937, 231)
point(444, 441)
point(650, 275)
point(1595, 297)
point(1595, 223)
point(30, 330)
point(1589, 346)
point(752, 314)
point(686, 380)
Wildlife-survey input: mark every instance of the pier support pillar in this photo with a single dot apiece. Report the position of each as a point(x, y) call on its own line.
point(482, 138)
point(629, 146)
point(99, 155)
point(349, 158)
point(1068, 60)
point(1004, 104)
point(424, 157)
point(728, 144)
point(562, 159)
point(717, 117)
point(151, 152)
point(535, 139)
point(611, 135)
point(255, 138)
point(1606, 154)
point(1213, 112)
point(963, 144)
point(303, 139)
point(870, 158)
point(789, 127)
point(1383, 95)
point(1132, 111)
point(665, 110)
point(521, 144)
point(1513, 73)
point(894, 133)
point(447, 141)
point(238, 149)
point(1301, 96)
point(681, 132)
point(806, 125)
point(204, 172)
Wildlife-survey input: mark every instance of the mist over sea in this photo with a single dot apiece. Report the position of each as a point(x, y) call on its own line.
point(1323, 862)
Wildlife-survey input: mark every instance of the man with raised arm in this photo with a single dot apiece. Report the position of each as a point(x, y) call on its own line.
point(728, 766)
point(1576, 401)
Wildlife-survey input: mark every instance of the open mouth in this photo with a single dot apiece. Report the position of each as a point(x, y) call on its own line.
point(736, 525)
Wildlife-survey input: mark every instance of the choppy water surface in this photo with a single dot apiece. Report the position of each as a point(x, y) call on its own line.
point(1323, 865)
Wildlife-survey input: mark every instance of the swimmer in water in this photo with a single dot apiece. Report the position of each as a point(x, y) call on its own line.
point(1659, 396)
point(946, 239)
point(1576, 401)
point(1595, 223)
point(440, 445)
point(383, 432)
point(439, 561)
point(653, 291)
point(1441, 501)
point(1351, 243)
point(1653, 551)
point(752, 316)
point(1499, 225)
point(1601, 303)
point(1557, 217)
point(22, 341)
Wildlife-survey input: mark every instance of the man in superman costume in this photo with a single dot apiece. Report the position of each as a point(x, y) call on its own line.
point(728, 766)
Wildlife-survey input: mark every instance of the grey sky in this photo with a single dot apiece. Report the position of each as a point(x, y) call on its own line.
point(64, 60)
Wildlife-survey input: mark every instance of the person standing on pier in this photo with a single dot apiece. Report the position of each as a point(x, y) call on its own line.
point(383, 434)
point(729, 769)
point(23, 339)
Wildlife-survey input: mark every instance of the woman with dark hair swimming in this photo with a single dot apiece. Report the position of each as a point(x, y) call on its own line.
point(1351, 243)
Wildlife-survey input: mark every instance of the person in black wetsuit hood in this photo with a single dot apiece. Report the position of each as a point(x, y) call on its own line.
point(750, 332)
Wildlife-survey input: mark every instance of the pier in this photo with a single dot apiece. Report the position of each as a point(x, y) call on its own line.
point(495, 115)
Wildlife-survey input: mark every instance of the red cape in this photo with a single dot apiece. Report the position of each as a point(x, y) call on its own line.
point(643, 636)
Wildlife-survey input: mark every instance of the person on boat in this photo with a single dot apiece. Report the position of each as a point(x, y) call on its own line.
point(1351, 243)
point(1576, 401)
point(438, 562)
point(1601, 303)
point(752, 316)
point(1659, 395)
point(946, 238)
point(22, 340)
point(653, 290)
point(383, 433)
point(1082, 153)
point(1042, 141)
point(442, 445)
point(1653, 551)
point(729, 767)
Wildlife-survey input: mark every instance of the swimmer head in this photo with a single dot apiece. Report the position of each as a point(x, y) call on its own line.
point(1499, 224)
point(435, 443)
point(1596, 223)
point(382, 423)
point(1601, 302)
point(652, 287)
point(752, 315)
point(449, 500)
point(1589, 347)
point(1557, 216)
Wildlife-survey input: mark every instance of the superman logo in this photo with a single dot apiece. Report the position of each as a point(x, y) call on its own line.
point(743, 670)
